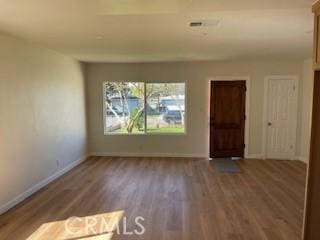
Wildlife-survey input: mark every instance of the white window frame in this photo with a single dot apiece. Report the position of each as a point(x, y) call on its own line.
point(104, 111)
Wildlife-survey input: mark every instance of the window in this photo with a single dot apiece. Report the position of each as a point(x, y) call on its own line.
point(165, 107)
point(124, 107)
point(140, 108)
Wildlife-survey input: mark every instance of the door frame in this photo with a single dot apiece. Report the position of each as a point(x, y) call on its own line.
point(265, 115)
point(246, 130)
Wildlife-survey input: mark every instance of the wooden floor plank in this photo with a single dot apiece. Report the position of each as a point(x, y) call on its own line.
point(179, 198)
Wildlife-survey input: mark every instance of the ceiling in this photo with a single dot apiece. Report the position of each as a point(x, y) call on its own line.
point(158, 30)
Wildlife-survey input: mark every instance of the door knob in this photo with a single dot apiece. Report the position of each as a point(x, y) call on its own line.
point(269, 123)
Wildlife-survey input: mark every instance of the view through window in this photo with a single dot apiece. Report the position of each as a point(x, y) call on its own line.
point(139, 108)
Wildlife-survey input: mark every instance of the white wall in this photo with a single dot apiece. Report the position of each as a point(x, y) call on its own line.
point(42, 116)
point(196, 142)
point(306, 90)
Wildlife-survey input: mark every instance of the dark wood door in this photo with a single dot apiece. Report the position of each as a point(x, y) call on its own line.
point(227, 118)
point(312, 214)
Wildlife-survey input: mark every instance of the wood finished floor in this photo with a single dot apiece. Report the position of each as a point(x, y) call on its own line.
point(179, 199)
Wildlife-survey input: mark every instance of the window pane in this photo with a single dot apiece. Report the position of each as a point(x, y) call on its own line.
point(124, 107)
point(165, 107)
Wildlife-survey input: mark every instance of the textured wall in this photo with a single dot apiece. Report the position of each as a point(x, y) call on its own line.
point(42, 115)
point(197, 75)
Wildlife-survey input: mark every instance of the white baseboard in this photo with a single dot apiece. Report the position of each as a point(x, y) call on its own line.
point(301, 158)
point(260, 156)
point(136, 154)
point(254, 156)
point(4, 208)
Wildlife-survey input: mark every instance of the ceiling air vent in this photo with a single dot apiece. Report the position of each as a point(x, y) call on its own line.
point(196, 24)
point(205, 23)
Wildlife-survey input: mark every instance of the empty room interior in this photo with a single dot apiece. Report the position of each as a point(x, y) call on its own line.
point(159, 120)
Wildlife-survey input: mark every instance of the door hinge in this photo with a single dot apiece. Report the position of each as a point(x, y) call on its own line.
point(294, 87)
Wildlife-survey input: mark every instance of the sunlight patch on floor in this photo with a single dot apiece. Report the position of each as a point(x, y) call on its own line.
point(96, 227)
